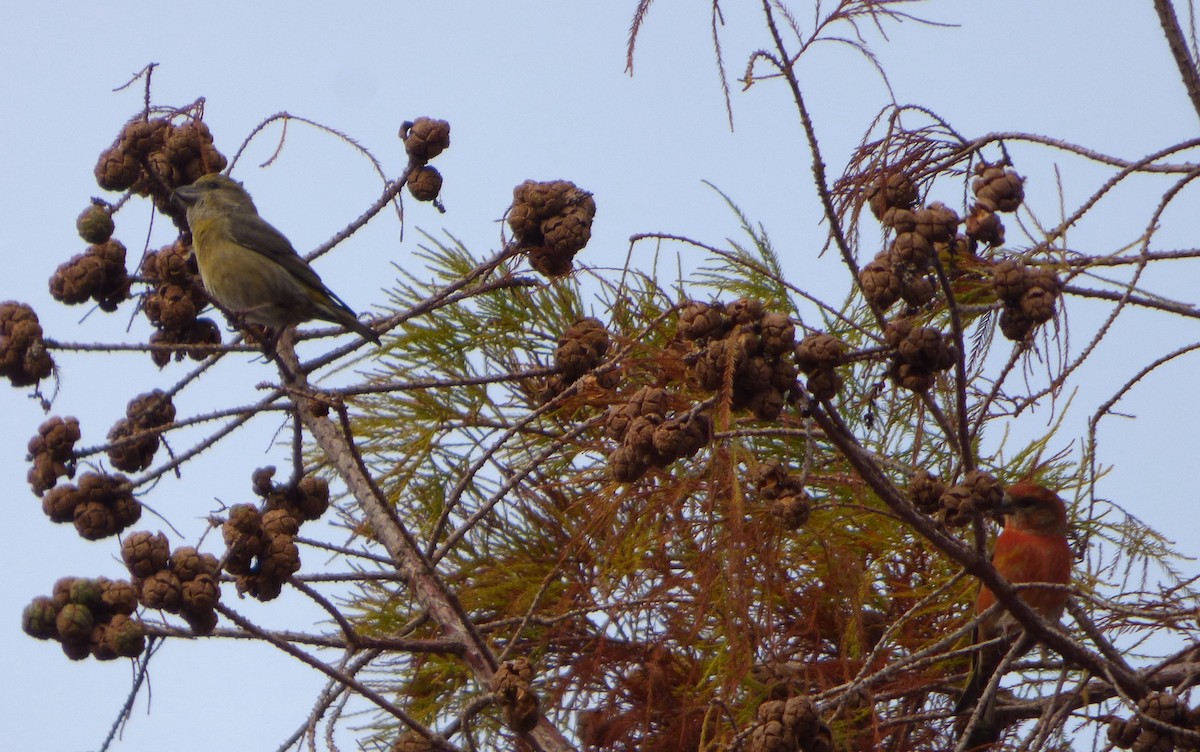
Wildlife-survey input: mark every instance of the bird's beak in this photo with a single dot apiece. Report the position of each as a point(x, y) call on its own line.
point(1006, 507)
point(186, 195)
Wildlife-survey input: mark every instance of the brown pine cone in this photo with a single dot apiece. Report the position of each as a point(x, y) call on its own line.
point(581, 348)
point(23, 357)
point(94, 521)
point(792, 510)
point(766, 404)
point(60, 502)
point(52, 452)
point(702, 321)
point(280, 558)
point(925, 491)
point(1037, 302)
point(819, 350)
point(909, 376)
point(39, 619)
point(280, 521)
point(957, 506)
point(824, 383)
point(567, 233)
point(119, 597)
point(74, 623)
point(200, 593)
point(926, 349)
point(937, 223)
point(911, 248)
point(425, 138)
point(125, 636)
point(778, 333)
point(984, 488)
point(626, 465)
point(880, 283)
point(548, 262)
point(998, 188)
point(888, 192)
point(985, 226)
point(918, 290)
point(681, 437)
point(424, 183)
point(162, 590)
point(95, 223)
point(511, 685)
point(1010, 280)
point(1015, 324)
point(187, 563)
point(145, 553)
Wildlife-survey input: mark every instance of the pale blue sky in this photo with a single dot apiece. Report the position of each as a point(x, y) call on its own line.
point(532, 90)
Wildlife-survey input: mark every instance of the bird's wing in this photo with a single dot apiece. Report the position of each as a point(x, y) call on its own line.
point(253, 232)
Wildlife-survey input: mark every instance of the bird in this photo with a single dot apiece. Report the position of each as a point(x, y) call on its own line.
point(1031, 548)
point(249, 267)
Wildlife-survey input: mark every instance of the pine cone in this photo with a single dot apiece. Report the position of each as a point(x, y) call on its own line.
point(425, 138)
point(145, 553)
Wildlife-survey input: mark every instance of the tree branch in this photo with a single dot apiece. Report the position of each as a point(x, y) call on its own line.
point(427, 587)
point(1179, 50)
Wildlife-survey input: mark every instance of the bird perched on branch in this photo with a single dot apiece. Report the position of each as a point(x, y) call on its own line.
point(249, 267)
point(1032, 548)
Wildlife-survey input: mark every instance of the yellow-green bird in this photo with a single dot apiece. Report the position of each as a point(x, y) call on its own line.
point(249, 267)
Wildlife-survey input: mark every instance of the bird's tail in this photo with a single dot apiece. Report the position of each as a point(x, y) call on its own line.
point(355, 325)
point(982, 667)
point(985, 730)
point(334, 310)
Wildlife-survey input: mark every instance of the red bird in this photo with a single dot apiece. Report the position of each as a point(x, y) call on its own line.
point(1032, 548)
